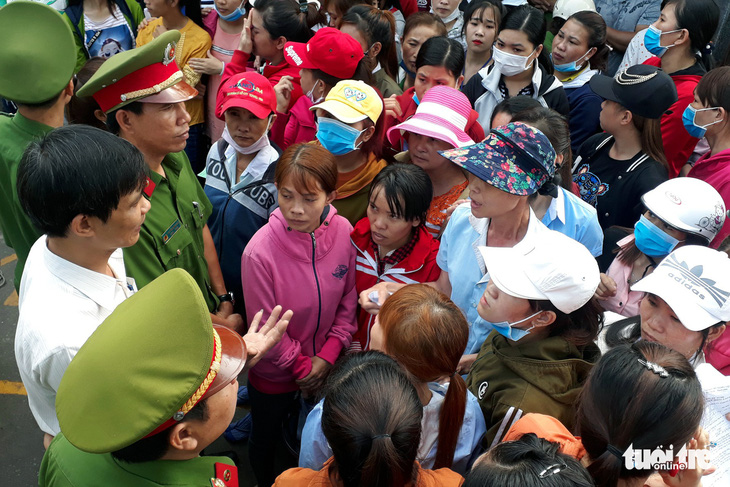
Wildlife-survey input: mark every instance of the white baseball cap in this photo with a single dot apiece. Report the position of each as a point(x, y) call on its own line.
point(556, 268)
point(563, 9)
point(688, 204)
point(695, 282)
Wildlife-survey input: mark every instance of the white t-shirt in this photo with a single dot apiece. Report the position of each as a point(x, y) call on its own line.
point(110, 37)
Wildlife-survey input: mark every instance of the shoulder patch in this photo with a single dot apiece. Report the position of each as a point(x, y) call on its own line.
point(225, 476)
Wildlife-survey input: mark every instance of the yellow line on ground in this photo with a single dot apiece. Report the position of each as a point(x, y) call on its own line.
point(8, 387)
point(12, 300)
point(8, 259)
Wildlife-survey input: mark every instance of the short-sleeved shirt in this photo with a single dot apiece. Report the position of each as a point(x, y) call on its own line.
point(615, 187)
point(172, 233)
point(575, 218)
point(625, 15)
point(459, 256)
point(16, 132)
point(109, 37)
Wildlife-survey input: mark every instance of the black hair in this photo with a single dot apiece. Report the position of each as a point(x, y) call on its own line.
point(192, 11)
point(407, 188)
point(596, 27)
point(514, 105)
point(700, 18)
point(284, 18)
point(528, 462)
point(154, 447)
point(112, 124)
point(77, 170)
point(531, 21)
point(479, 6)
point(80, 110)
point(362, 73)
point(580, 327)
point(642, 395)
point(442, 51)
point(377, 26)
point(556, 129)
point(419, 19)
point(371, 418)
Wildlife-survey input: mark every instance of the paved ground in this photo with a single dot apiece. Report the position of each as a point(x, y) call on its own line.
point(21, 448)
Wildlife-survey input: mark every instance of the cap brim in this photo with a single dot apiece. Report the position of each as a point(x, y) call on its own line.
point(300, 50)
point(342, 112)
point(428, 129)
point(693, 317)
point(503, 265)
point(232, 102)
point(233, 358)
point(180, 91)
point(603, 87)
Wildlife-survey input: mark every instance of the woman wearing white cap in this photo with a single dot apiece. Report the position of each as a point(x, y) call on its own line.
point(686, 306)
point(545, 319)
point(681, 211)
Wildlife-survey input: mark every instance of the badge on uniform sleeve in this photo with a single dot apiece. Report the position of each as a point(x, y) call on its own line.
point(225, 476)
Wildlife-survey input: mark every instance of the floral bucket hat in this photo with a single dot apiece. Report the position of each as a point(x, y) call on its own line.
point(515, 158)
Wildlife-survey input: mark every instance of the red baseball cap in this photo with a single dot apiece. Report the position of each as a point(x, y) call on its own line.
point(248, 90)
point(330, 50)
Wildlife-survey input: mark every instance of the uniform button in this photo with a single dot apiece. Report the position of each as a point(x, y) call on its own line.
point(619, 177)
point(620, 303)
point(178, 252)
point(186, 225)
point(606, 214)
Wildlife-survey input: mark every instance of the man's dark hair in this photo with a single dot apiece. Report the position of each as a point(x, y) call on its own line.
point(77, 170)
point(155, 447)
point(111, 117)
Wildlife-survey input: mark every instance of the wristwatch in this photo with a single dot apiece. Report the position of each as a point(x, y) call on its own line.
point(227, 297)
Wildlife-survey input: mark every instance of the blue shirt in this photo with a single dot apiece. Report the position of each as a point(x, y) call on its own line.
point(575, 218)
point(315, 450)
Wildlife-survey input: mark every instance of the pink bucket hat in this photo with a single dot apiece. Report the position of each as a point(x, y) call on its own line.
point(443, 114)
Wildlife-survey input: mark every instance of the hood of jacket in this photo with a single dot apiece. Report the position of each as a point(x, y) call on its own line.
point(552, 365)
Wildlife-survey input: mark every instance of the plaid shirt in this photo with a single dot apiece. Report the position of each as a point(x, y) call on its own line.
point(394, 256)
point(528, 90)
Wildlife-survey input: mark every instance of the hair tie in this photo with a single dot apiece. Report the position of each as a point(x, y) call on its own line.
point(380, 436)
point(552, 470)
point(615, 451)
point(303, 6)
point(656, 368)
point(548, 189)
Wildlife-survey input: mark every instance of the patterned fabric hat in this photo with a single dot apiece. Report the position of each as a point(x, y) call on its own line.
point(515, 158)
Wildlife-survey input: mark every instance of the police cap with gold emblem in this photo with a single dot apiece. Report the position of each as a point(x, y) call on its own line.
point(154, 358)
point(38, 54)
point(147, 74)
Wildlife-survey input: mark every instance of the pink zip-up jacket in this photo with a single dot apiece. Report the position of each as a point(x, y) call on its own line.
point(313, 274)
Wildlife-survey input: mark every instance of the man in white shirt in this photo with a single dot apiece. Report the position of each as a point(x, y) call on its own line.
point(83, 188)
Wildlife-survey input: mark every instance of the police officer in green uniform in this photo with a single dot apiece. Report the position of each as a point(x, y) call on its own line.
point(150, 389)
point(142, 92)
point(37, 60)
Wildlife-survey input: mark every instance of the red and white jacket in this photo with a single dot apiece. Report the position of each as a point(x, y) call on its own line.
point(419, 266)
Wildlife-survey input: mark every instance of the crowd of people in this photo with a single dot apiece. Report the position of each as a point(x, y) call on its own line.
point(473, 242)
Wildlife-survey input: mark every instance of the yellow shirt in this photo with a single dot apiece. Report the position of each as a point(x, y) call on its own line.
point(194, 42)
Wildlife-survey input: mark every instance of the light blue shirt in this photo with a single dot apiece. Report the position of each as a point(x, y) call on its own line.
point(315, 450)
point(576, 219)
point(459, 256)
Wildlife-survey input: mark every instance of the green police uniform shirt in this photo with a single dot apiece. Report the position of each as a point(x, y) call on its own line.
point(172, 233)
point(16, 132)
point(64, 465)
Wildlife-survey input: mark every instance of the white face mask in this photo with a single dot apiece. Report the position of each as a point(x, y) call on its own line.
point(510, 64)
point(310, 94)
point(262, 142)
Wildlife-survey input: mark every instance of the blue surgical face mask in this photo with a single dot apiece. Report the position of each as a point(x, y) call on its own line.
point(653, 40)
point(508, 330)
point(415, 98)
point(651, 240)
point(233, 16)
point(688, 119)
point(337, 137)
point(571, 66)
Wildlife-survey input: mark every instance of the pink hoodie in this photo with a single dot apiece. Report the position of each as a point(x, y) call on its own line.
point(314, 276)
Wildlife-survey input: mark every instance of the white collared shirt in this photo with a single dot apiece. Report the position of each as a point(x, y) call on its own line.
point(60, 304)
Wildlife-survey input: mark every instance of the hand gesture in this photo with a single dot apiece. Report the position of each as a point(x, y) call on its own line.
point(607, 287)
point(392, 107)
point(283, 91)
point(259, 341)
point(246, 42)
point(206, 65)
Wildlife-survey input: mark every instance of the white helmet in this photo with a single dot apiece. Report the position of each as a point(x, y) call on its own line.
point(565, 8)
point(688, 204)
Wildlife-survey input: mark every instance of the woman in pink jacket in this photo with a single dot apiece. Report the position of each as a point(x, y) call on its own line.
point(302, 259)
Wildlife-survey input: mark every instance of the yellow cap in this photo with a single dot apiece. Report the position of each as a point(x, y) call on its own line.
point(351, 101)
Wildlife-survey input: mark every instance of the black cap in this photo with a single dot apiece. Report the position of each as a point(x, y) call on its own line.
point(645, 90)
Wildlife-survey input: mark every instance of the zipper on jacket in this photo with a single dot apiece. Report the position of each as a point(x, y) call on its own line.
point(319, 296)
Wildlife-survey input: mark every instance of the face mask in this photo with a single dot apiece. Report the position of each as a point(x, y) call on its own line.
point(408, 71)
point(310, 94)
point(337, 137)
point(233, 16)
point(571, 66)
point(688, 119)
point(262, 142)
point(510, 64)
point(507, 329)
point(415, 98)
point(452, 16)
point(653, 40)
point(651, 240)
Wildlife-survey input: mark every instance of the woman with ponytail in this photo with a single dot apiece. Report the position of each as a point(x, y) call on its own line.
point(426, 333)
point(371, 416)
